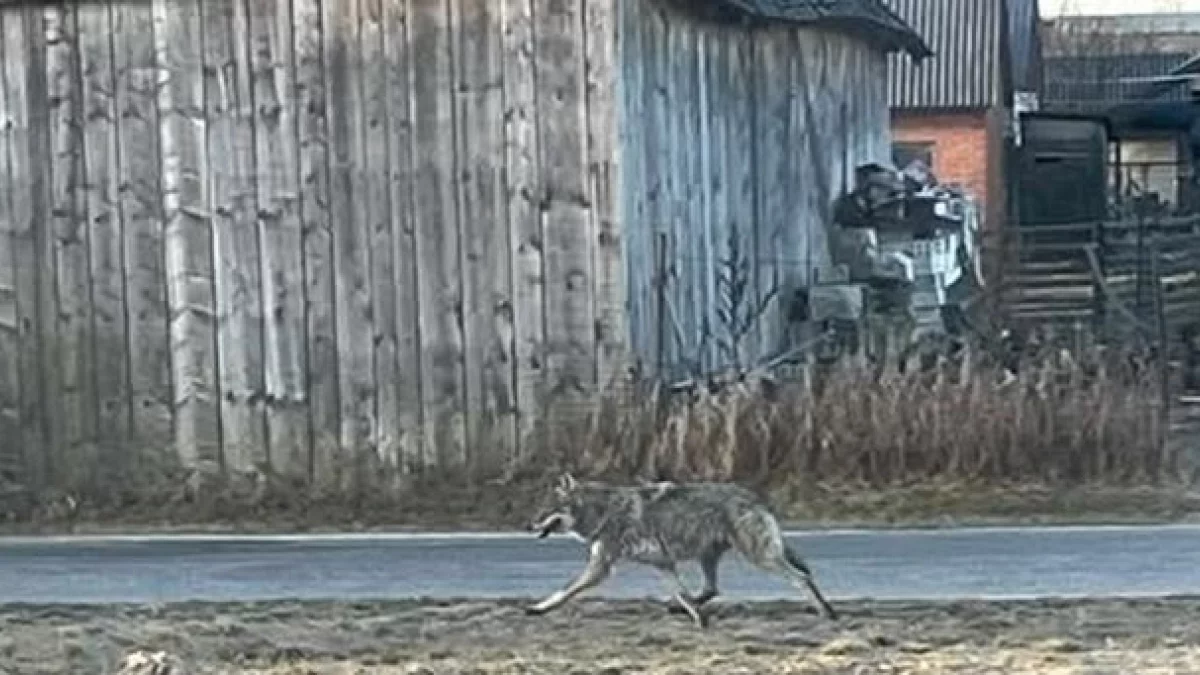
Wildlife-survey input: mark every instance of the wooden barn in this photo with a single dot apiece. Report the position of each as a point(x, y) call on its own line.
point(342, 239)
point(741, 123)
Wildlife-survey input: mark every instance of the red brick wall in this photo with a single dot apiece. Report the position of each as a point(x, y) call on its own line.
point(968, 150)
point(960, 152)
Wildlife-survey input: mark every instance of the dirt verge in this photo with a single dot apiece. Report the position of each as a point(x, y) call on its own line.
point(492, 507)
point(611, 637)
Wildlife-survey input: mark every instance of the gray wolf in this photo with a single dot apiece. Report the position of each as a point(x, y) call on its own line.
point(662, 524)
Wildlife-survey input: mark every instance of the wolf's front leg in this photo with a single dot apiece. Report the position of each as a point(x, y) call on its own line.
point(598, 568)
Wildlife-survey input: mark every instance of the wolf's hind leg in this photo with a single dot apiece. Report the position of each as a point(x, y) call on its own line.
point(790, 565)
point(680, 593)
point(597, 570)
point(761, 542)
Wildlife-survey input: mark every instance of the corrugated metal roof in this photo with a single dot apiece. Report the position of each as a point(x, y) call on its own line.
point(884, 26)
point(1159, 23)
point(1096, 83)
point(966, 69)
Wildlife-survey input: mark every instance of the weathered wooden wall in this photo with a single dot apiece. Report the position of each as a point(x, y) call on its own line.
point(750, 132)
point(328, 237)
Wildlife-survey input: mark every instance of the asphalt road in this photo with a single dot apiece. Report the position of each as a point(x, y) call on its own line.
point(904, 564)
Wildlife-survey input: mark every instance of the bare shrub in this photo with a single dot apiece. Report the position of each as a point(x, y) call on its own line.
point(1062, 419)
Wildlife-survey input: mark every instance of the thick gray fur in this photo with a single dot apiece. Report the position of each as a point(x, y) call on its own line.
point(662, 524)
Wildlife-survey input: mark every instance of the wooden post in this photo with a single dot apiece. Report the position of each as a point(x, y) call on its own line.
point(1140, 270)
point(1164, 410)
point(1100, 300)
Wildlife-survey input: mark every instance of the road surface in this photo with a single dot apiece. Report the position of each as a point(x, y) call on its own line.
point(902, 564)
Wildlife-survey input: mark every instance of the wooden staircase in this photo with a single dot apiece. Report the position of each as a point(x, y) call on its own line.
point(1058, 292)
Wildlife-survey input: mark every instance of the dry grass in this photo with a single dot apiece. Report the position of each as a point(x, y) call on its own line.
point(1061, 422)
point(1072, 438)
point(598, 636)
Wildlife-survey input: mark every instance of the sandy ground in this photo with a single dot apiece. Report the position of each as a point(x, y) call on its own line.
point(595, 636)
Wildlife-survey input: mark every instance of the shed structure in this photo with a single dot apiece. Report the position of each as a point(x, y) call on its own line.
point(339, 240)
point(742, 121)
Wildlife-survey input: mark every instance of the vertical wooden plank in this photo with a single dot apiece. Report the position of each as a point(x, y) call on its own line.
point(634, 237)
point(877, 102)
point(48, 410)
point(566, 211)
point(109, 353)
point(857, 110)
point(871, 101)
point(75, 385)
point(844, 126)
point(487, 274)
point(377, 216)
point(657, 214)
point(835, 135)
point(706, 266)
point(683, 146)
point(400, 60)
point(695, 225)
point(20, 28)
point(771, 112)
point(715, 127)
point(852, 112)
point(803, 165)
point(796, 221)
point(524, 222)
point(140, 209)
point(674, 180)
point(603, 166)
point(352, 263)
point(743, 165)
point(229, 115)
point(322, 365)
point(12, 460)
point(187, 235)
point(437, 238)
point(277, 169)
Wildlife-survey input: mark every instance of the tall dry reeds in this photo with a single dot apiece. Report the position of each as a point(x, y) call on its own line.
point(1061, 419)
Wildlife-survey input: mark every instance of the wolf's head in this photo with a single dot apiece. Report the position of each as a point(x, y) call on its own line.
point(560, 510)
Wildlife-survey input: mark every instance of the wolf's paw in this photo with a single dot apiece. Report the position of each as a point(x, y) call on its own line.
point(675, 609)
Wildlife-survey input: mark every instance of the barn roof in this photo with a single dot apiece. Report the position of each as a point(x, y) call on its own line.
point(884, 25)
point(983, 48)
